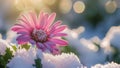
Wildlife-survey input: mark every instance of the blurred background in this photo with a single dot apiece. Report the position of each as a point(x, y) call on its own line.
point(89, 19)
point(96, 16)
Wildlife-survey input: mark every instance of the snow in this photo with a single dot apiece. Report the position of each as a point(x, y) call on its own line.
point(108, 65)
point(3, 46)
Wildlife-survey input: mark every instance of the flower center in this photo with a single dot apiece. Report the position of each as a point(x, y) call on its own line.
point(39, 35)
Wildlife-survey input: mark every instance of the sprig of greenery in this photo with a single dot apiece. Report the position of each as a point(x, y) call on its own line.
point(26, 46)
point(4, 59)
point(69, 49)
point(38, 63)
point(116, 56)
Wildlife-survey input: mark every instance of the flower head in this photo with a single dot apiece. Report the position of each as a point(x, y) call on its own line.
point(40, 31)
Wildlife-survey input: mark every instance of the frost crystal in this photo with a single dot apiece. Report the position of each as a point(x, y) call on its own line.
point(109, 65)
point(23, 59)
point(63, 60)
point(3, 46)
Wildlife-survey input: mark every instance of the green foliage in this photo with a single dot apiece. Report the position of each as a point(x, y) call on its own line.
point(69, 49)
point(2, 62)
point(14, 47)
point(4, 59)
point(26, 46)
point(98, 45)
point(116, 55)
point(38, 63)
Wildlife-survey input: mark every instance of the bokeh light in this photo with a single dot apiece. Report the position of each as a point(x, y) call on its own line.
point(111, 6)
point(79, 7)
point(65, 6)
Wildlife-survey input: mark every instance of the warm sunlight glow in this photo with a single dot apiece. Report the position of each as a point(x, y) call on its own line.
point(49, 2)
point(65, 6)
point(111, 6)
point(28, 4)
point(46, 9)
point(23, 4)
point(79, 7)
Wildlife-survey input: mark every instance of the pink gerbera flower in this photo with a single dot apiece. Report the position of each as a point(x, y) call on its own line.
point(40, 31)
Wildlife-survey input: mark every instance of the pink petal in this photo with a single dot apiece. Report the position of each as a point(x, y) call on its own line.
point(20, 31)
point(23, 32)
point(15, 28)
point(33, 18)
point(56, 24)
point(58, 35)
point(45, 21)
point(26, 19)
point(22, 39)
point(50, 43)
point(52, 47)
point(24, 23)
point(60, 28)
point(41, 46)
point(19, 26)
point(55, 50)
point(32, 41)
point(21, 42)
point(60, 42)
point(50, 20)
point(48, 46)
point(41, 19)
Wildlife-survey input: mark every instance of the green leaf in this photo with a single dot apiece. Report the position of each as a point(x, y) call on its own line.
point(115, 56)
point(26, 46)
point(98, 46)
point(69, 49)
point(38, 63)
point(8, 55)
point(2, 62)
point(4, 59)
point(14, 47)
